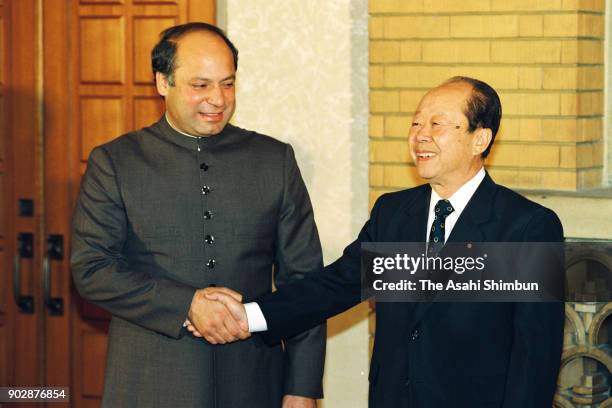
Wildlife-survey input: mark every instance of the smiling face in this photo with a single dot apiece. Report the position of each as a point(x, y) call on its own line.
point(202, 99)
point(445, 153)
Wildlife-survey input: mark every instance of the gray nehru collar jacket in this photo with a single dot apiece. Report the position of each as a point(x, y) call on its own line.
point(160, 214)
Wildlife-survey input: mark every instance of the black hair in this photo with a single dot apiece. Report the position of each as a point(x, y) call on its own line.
point(483, 108)
point(163, 55)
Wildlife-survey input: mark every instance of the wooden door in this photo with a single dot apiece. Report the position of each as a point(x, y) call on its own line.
point(4, 271)
point(23, 334)
point(91, 79)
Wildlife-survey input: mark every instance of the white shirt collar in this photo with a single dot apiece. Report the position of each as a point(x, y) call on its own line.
point(461, 197)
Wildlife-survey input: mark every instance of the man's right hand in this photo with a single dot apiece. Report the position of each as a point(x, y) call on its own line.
point(213, 320)
point(232, 303)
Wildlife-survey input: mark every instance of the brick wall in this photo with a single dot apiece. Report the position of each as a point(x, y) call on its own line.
point(544, 57)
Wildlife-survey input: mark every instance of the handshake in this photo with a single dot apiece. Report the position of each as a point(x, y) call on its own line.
point(218, 315)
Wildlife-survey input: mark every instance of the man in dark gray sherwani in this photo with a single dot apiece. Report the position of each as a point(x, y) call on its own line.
point(192, 202)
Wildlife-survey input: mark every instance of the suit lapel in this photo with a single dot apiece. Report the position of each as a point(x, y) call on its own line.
point(468, 228)
point(414, 226)
point(412, 223)
point(478, 211)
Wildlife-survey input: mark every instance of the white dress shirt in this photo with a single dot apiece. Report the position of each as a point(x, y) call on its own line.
point(459, 200)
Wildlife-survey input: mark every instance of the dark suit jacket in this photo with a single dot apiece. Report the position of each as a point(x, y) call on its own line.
point(145, 236)
point(442, 355)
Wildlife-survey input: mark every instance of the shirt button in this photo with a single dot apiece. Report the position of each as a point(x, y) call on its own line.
point(210, 264)
point(205, 190)
point(407, 382)
point(209, 239)
point(204, 166)
point(208, 215)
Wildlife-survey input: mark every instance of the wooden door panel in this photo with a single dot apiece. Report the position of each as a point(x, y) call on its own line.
point(102, 49)
point(2, 219)
point(57, 167)
point(102, 119)
point(175, 10)
point(146, 30)
point(2, 76)
point(2, 40)
point(93, 350)
point(4, 270)
point(87, 402)
point(89, 361)
point(154, 1)
point(147, 110)
point(102, 1)
point(4, 363)
point(5, 292)
point(2, 130)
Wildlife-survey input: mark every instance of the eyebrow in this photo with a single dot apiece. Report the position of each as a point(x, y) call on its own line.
point(208, 79)
point(435, 113)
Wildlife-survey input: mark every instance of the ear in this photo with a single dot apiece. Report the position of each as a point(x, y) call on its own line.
point(482, 139)
point(161, 82)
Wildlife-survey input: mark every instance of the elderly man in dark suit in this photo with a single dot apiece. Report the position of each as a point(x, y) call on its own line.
point(192, 202)
point(436, 354)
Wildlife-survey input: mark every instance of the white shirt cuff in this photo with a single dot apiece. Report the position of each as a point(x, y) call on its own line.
point(256, 319)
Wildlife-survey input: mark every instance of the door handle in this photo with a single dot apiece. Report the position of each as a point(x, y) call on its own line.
point(55, 251)
point(25, 250)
